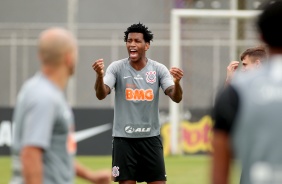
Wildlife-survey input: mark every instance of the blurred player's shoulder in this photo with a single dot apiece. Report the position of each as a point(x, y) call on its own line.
point(248, 78)
point(40, 88)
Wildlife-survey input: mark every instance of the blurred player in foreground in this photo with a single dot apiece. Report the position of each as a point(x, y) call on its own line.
point(250, 58)
point(43, 145)
point(137, 146)
point(249, 110)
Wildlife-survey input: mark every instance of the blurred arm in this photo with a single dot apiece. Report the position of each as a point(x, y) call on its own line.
point(224, 114)
point(230, 70)
point(221, 158)
point(98, 177)
point(31, 158)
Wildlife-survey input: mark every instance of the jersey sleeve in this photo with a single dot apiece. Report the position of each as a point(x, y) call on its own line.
point(165, 78)
point(38, 122)
point(110, 77)
point(225, 109)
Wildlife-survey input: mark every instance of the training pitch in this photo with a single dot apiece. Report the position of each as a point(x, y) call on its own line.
point(180, 169)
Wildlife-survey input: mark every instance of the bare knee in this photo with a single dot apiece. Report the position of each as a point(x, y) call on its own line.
point(157, 182)
point(127, 182)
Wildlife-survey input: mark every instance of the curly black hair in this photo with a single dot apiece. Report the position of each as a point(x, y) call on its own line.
point(268, 23)
point(139, 28)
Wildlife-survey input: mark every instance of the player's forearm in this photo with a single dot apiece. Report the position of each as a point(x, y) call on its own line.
point(82, 172)
point(176, 94)
point(32, 166)
point(101, 91)
point(221, 158)
point(227, 81)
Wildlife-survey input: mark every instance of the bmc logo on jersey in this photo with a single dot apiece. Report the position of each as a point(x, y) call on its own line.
point(139, 94)
point(151, 77)
point(135, 129)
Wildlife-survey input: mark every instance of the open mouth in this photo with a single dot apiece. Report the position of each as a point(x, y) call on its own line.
point(133, 53)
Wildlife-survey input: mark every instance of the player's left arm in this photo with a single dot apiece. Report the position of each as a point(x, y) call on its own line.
point(175, 92)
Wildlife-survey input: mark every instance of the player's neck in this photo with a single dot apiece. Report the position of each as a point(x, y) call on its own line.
point(140, 64)
point(57, 75)
point(274, 51)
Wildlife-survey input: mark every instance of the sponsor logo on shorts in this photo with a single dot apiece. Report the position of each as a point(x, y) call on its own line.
point(115, 171)
point(137, 129)
point(151, 77)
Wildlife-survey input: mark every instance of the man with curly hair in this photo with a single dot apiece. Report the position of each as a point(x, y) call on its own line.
point(137, 147)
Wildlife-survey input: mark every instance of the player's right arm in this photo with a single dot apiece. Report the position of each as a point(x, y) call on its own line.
point(231, 68)
point(101, 89)
point(224, 114)
point(31, 159)
point(221, 157)
point(37, 128)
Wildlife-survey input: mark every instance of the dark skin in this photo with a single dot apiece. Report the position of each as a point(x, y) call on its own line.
point(222, 157)
point(134, 182)
point(137, 47)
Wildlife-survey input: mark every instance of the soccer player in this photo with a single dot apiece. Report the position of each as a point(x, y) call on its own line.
point(43, 145)
point(137, 147)
point(250, 58)
point(248, 114)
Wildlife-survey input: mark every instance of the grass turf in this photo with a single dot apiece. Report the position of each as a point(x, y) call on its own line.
point(180, 169)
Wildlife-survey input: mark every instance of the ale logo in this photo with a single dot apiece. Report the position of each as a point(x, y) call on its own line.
point(129, 129)
point(137, 129)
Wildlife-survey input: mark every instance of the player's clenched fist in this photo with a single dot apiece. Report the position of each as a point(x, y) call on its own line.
point(98, 66)
point(176, 73)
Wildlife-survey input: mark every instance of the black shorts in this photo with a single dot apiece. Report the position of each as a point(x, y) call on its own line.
point(138, 159)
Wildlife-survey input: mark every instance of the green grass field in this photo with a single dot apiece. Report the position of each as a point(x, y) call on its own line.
point(180, 169)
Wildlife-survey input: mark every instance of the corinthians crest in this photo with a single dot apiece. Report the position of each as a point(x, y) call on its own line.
point(151, 77)
point(115, 171)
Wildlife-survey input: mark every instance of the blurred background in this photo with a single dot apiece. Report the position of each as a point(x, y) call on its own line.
point(99, 27)
point(207, 45)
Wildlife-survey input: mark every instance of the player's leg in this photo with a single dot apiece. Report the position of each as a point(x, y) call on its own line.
point(123, 161)
point(127, 182)
point(157, 182)
point(151, 167)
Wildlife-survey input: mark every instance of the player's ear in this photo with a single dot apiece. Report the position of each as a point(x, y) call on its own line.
point(147, 46)
point(69, 59)
point(258, 63)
